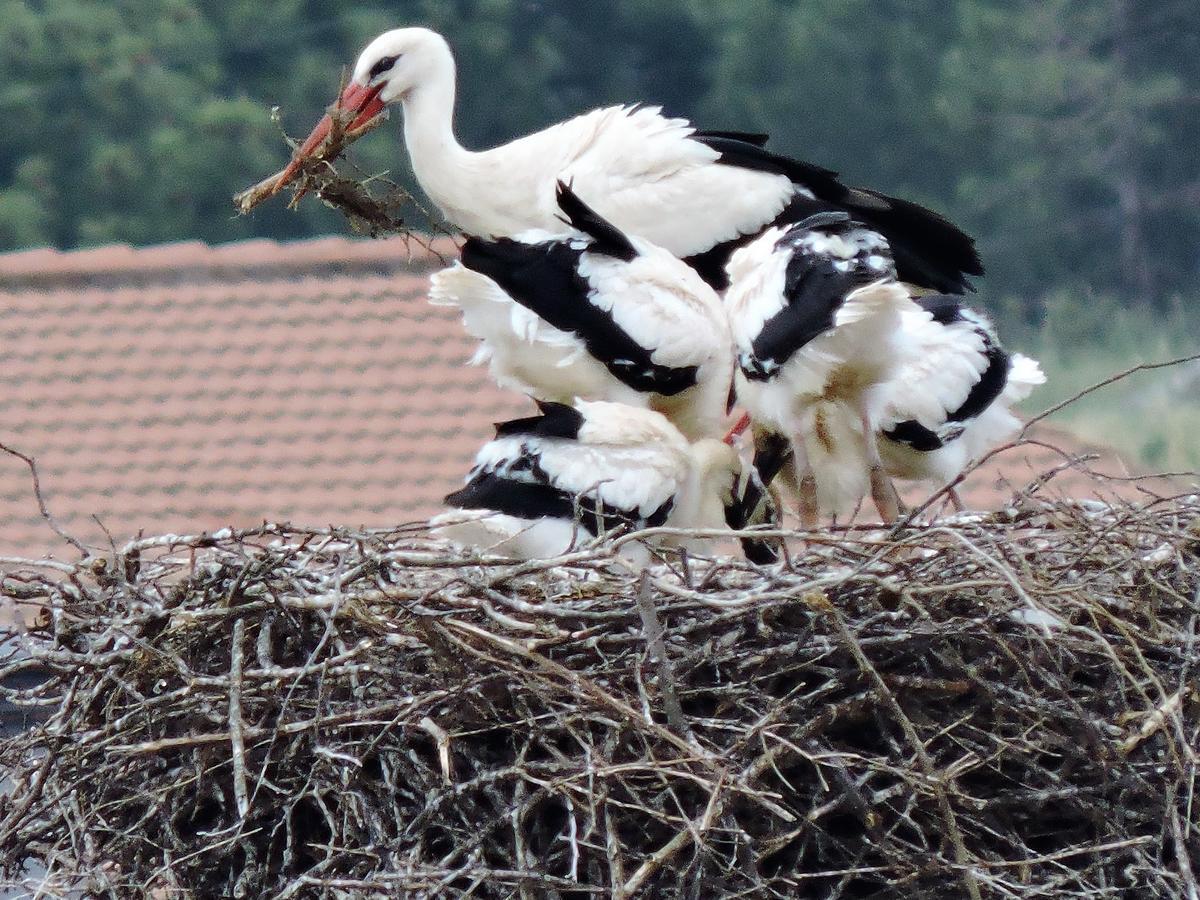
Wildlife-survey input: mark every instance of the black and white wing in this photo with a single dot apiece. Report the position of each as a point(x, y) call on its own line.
point(956, 369)
point(792, 286)
point(602, 316)
point(928, 249)
point(568, 474)
point(953, 400)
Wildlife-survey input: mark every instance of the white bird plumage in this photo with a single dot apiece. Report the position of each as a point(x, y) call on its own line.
point(862, 381)
point(952, 400)
point(598, 316)
point(548, 483)
point(816, 311)
point(687, 191)
point(600, 304)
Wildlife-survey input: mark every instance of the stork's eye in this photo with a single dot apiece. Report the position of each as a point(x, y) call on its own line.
point(383, 65)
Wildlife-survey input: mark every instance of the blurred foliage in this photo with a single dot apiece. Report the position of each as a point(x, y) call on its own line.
point(1061, 132)
point(1153, 416)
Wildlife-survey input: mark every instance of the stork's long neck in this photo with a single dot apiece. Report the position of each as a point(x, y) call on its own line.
point(704, 506)
point(440, 163)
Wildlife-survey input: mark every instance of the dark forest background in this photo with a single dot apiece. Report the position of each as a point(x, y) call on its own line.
point(1064, 134)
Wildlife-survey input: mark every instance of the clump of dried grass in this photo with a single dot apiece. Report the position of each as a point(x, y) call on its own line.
point(999, 706)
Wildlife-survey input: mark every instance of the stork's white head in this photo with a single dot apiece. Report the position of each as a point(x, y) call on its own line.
point(400, 60)
point(391, 67)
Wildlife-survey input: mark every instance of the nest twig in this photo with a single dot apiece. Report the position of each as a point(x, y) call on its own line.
point(368, 211)
point(315, 170)
point(1000, 706)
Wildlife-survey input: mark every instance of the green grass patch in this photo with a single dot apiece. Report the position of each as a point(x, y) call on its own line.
point(1152, 417)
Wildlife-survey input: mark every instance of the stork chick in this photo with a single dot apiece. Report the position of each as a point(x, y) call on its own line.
point(596, 316)
point(550, 482)
point(815, 311)
point(952, 401)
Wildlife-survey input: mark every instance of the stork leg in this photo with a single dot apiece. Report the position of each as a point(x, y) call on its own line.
point(804, 483)
point(883, 492)
point(956, 500)
point(810, 509)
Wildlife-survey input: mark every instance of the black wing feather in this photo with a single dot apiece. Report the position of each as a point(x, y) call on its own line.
point(989, 386)
point(533, 500)
point(545, 279)
point(817, 290)
point(512, 497)
point(758, 139)
point(814, 289)
point(752, 155)
point(930, 250)
point(556, 420)
point(946, 309)
point(606, 237)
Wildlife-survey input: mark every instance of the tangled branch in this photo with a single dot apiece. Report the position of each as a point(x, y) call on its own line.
point(1000, 706)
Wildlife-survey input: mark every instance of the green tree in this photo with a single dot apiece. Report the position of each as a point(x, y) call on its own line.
point(1062, 133)
point(1047, 100)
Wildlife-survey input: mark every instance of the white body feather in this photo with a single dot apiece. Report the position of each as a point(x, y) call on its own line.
point(635, 167)
point(818, 397)
point(628, 458)
point(657, 300)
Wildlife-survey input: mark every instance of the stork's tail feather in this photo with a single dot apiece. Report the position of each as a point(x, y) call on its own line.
point(1023, 377)
point(463, 287)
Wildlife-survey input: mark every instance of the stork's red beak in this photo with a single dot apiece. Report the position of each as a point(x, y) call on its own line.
point(363, 102)
point(736, 431)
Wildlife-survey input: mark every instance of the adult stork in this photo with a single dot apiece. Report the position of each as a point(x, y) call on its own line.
point(550, 482)
point(816, 312)
point(952, 400)
point(599, 316)
point(697, 194)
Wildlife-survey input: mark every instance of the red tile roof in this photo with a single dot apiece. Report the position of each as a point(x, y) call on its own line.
point(184, 387)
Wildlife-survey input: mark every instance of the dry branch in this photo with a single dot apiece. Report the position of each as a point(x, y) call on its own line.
point(372, 205)
point(1002, 705)
point(41, 501)
point(314, 169)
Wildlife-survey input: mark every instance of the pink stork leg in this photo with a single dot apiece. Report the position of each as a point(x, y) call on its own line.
point(803, 482)
point(883, 492)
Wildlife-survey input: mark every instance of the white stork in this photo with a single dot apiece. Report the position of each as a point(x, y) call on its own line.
point(551, 482)
point(697, 194)
point(816, 313)
point(604, 316)
point(952, 401)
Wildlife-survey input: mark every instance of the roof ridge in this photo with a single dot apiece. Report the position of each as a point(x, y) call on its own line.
point(195, 260)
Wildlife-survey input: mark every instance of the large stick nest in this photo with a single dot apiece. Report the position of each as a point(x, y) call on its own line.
point(989, 707)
